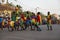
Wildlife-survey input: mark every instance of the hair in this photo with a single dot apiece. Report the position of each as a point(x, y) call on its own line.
point(27, 12)
point(48, 13)
point(33, 13)
point(13, 13)
point(38, 13)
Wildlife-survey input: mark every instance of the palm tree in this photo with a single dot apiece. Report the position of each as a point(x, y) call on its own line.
point(7, 1)
point(2, 0)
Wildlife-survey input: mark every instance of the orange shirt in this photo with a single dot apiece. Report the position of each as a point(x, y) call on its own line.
point(38, 18)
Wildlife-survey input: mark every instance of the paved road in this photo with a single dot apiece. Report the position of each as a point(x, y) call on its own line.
point(32, 35)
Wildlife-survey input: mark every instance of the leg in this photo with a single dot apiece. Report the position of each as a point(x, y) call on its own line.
point(26, 26)
point(31, 26)
point(38, 28)
point(47, 25)
point(50, 27)
point(21, 28)
point(8, 28)
point(15, 27)
point(18, 27)
point(12, 28)
point(1, 27)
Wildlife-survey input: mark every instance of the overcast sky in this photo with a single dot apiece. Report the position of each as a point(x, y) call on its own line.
point(42, 5)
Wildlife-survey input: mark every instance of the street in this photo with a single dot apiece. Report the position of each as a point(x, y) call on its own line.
point(32, 35)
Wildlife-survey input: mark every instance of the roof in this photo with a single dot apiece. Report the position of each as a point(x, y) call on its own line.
point(6, 7)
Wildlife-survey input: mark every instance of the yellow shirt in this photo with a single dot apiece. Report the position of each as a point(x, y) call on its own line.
point(33, 21)
point(17, 18)
point(12, 24)
point(3, 23)
point(49, 19)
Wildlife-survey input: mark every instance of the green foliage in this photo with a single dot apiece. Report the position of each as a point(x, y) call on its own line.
point(11, 4)
point(29, 13)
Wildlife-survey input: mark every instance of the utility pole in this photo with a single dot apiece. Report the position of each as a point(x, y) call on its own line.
point(7, 2)
point(3, 1)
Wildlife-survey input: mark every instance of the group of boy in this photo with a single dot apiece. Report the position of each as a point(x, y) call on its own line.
point(25, 22)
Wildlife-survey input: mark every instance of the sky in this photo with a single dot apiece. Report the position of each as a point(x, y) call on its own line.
point(42, 6)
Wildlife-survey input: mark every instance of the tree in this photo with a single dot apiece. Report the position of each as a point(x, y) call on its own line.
point(15, 0)
point(3, 0)
point(7, 1)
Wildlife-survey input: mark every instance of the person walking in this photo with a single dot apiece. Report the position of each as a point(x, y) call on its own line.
point(49, 26)
point(1, 20)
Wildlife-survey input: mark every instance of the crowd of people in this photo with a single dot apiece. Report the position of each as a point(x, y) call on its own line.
point(24, 22)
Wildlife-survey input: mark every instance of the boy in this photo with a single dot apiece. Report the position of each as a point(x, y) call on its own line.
point(1, 18)
point(27, 23)
point(22, 24)
point(12, 25)
point(49, 21)
point(16, 25)
point(39, 19)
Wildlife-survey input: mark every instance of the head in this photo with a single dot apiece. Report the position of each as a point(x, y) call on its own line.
point(13, 13)
point(16, 14)
point(33, 13)
point(38, 13)
point(48, 13)
point(27, 12)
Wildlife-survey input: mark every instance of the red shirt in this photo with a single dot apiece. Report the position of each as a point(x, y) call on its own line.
point(38, 18)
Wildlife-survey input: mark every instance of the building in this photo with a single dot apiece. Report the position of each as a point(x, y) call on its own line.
point(6, 8)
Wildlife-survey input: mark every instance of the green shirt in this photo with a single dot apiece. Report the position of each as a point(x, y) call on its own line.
point(13, 18)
